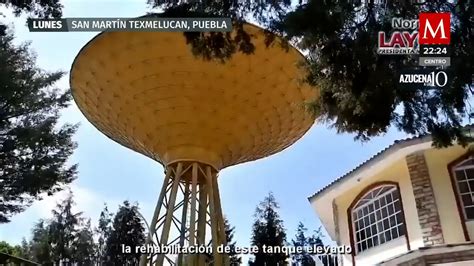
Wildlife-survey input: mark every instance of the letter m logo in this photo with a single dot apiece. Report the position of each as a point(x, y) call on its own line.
point(434, 28)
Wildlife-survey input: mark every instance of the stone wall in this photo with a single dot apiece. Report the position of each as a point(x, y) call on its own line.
point(425, 200)
point(447, 257)
point(415, 262)
point(457, 256)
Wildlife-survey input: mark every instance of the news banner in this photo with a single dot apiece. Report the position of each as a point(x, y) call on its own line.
point(130, 24)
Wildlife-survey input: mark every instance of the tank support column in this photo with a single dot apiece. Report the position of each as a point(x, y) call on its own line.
point(188, 214)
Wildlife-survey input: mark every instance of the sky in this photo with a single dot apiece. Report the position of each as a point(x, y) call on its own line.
point(110, 173)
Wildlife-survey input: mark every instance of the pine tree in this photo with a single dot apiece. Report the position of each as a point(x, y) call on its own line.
point(357, 87)
point(42, 9)
point(128, 230)
point(234, 258)
point(302, 241)
point(38, 9)
point(103, 231)
point(268, 231)
point(40, 244)
point(63, 229)
point(33, 149)
point(67, 238)
point(26, 249)
point(83, 246)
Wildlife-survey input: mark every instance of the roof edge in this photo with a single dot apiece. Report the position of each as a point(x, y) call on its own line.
point(394, 147)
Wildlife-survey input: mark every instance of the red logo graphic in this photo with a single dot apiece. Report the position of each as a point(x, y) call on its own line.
point(434, 28)
point(398, 40)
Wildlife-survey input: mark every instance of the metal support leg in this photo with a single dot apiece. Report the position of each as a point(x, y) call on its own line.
point(190, 192)
point(216, 219)
point(220, 220)
point(202, 220)
point(183, 221)
point(169, 213)
point(192, 225)
point(152, 232)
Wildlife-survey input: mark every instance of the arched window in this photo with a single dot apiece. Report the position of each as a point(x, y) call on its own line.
point(464, 174)
point(377, 217)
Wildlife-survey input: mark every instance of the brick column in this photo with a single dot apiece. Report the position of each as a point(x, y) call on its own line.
point(425, 200)
point(336, 222)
